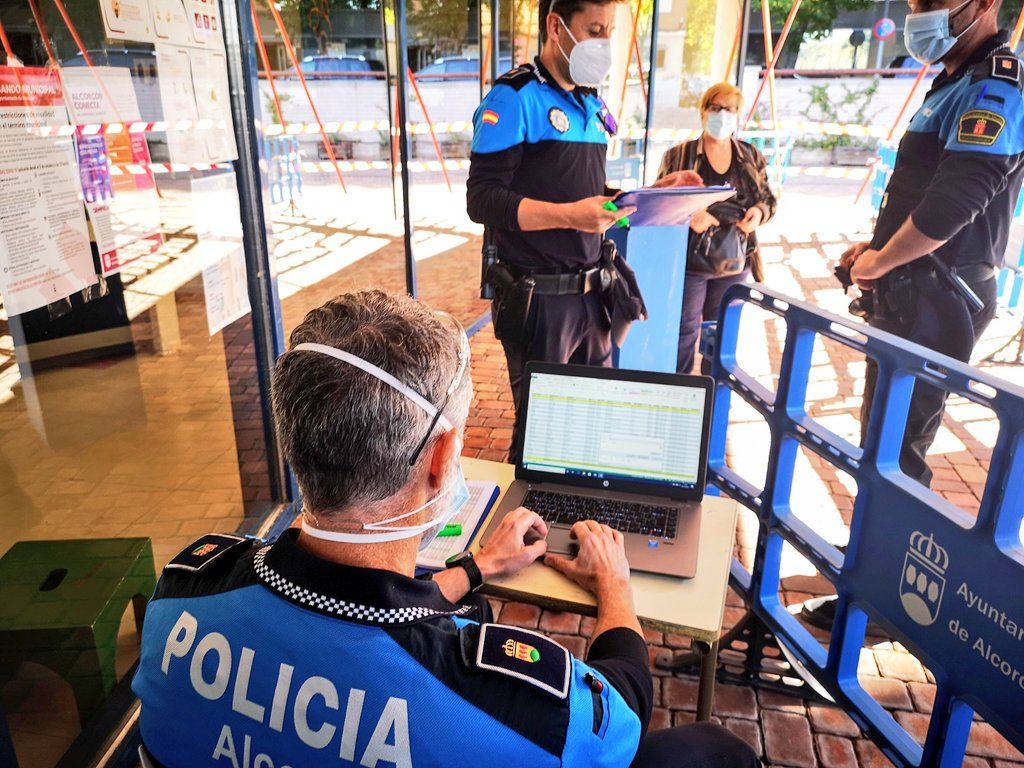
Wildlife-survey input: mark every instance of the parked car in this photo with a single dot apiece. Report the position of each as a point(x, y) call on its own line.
point(342, 68)
point(457, 68)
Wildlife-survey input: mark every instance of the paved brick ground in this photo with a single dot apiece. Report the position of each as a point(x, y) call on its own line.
point(785, 730)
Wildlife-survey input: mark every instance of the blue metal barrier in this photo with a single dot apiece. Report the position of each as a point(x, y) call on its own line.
point(948, 587)
point(284, 170)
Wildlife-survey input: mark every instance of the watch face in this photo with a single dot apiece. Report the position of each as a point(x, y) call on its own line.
point(458, 559)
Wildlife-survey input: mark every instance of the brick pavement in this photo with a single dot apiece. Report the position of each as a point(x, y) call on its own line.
point(785, 730)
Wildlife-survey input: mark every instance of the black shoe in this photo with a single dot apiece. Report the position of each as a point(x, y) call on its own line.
point(820, 612)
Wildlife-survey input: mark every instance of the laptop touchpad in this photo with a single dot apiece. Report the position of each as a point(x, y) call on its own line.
point(560, 543)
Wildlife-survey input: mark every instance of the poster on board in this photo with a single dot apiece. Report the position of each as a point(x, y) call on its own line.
point(210, 78)
point(44, 238)
point(227, 292)
point(173, 22)
point(119, 193)
point(178, 98)
point(127, 20)
point(218, 249)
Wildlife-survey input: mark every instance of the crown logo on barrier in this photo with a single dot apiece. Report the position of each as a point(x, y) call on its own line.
point(923, 578)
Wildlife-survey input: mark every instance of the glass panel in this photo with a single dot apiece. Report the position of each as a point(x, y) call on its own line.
point(130, 419)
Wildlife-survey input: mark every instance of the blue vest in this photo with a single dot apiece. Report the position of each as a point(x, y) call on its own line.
point(257, 656)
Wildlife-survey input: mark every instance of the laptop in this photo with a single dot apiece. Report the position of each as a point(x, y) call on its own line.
point(624, 448)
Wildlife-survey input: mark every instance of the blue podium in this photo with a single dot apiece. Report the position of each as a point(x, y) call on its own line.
point(658, 256)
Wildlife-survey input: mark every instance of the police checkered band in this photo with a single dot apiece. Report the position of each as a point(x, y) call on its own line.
point(341, 608)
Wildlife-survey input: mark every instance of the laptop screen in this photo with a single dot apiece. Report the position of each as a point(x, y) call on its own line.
point(604, 428)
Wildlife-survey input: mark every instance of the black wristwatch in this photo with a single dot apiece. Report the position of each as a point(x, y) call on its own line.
point(466, 562)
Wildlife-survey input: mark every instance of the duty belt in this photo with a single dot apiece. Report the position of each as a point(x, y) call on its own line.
point(569, 283)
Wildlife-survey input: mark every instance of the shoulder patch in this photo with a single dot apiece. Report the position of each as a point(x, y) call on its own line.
point(1007, 68)
point(525, 655)
point(212, 548)
point(980, 127)
point(518, 77)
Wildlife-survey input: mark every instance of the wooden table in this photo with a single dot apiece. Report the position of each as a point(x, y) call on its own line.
point(693, 607)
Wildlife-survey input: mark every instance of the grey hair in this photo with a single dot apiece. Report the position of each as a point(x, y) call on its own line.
point(347, 435)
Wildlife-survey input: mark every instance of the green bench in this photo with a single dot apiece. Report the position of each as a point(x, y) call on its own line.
point(61, 604)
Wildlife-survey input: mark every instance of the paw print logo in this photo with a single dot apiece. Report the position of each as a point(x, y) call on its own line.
point(923, 578)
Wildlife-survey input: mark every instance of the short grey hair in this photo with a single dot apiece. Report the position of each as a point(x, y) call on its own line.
point(347, 435)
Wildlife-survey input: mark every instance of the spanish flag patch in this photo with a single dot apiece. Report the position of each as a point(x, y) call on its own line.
point(490, 117)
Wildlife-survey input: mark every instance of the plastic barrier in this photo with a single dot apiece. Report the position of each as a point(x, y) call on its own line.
point(946, 586)
point(284, 167)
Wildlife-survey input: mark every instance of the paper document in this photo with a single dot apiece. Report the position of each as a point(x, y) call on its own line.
point(482, 496)
point(669, 206)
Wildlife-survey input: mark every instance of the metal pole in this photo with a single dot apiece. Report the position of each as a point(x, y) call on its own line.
point(879, 58)
point(495, 41)
point(650, 87)
point(741, 63)
point(402, 39)
point(387, 99)
point(243, 80)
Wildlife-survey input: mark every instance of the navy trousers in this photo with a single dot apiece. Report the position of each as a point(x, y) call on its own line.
point(701, 298)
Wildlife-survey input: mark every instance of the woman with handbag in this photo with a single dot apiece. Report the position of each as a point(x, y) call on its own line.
point(722, 248)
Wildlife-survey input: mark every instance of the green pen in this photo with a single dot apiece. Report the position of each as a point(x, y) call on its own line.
point(610, 206)
point(452, 529)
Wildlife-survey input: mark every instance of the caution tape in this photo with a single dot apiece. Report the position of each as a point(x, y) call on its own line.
point(764, 128)
point(145, 169)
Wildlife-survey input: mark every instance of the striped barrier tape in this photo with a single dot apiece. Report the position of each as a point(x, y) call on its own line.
point(785, 128)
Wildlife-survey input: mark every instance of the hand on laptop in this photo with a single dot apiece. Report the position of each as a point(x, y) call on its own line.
point(600, 566)
point(517, 541)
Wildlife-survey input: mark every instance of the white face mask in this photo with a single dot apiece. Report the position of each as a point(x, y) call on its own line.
point(721, 125)
point(454, 494)
point(927, 35)
point(589, 61)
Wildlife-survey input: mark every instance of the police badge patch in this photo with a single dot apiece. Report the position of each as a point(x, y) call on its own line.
point(527, 656)
point(558, 119)
point(980, 127)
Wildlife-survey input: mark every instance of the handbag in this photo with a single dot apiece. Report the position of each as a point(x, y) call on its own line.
point(720, 250)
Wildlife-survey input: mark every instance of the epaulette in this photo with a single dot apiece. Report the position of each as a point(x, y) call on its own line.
point(517, 78)
point(1007, 67)
point(213, 548)
point(523, 655)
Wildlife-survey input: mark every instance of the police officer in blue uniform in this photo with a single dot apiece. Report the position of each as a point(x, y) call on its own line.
point(946, 213)
point(537, 181)
point(322, 649)
point(929, 269)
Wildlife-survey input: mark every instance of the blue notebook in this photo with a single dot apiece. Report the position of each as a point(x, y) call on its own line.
point(669, 206)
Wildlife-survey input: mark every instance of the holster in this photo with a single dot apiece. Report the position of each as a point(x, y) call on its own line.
point(510, 308)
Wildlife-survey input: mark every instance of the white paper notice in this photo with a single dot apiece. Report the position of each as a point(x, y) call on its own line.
point(127, 20)
point(90, 90)
point(177, 95)
point(210, 77)
point(206, 26)
point(173, 22)
point(123, 207)
point(44, 238)
point(227, 293)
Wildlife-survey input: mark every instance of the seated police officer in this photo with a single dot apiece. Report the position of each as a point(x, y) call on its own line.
point(537, 181)
point(323, 650)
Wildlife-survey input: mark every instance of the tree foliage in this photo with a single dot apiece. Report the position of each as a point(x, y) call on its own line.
point(815, 17)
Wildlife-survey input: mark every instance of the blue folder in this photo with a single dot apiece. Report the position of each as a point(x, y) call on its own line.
point(669, 206)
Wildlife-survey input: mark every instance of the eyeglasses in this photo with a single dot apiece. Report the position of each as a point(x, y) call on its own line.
point(459, 373)
point(716, 108)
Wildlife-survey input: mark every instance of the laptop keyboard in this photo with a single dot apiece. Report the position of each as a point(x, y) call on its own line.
point(624, 516)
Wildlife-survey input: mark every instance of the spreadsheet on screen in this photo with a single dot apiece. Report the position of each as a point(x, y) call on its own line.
point(612, 428)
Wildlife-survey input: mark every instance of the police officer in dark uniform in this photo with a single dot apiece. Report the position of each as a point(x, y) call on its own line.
point(537, 181)
point(322, 649)
point(946, 213)
point(929, 270)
